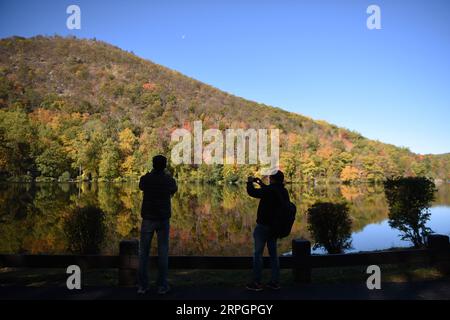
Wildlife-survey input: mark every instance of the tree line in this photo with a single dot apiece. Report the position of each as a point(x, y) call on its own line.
point(59, 146)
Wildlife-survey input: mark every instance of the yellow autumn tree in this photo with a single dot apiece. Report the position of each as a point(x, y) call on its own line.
point(350, 174)
point(127, 142)
point(127, 166)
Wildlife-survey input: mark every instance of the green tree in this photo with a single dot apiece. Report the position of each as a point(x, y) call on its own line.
point(52, 162)
point(330, 226)
point(109, 166)
point(409, 202)
point(16, 142)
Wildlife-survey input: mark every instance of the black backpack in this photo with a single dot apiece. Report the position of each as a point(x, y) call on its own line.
point(285, 218)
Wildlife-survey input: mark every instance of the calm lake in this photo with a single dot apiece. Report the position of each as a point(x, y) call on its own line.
point(206, 220)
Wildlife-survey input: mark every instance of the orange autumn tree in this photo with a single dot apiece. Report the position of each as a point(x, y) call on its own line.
point(350, 174)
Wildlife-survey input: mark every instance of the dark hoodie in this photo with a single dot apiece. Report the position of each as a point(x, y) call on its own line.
point(158, 187)
point(270, 204)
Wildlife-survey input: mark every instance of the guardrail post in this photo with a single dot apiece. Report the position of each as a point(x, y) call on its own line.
point(441, 251)
point(301, 254)
point(127, 272)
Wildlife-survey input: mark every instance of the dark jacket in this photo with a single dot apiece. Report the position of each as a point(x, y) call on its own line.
point(270, 204)
point(158, 187)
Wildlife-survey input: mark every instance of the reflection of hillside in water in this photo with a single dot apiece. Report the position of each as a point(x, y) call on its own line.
point(443, 195)
point(207, 220)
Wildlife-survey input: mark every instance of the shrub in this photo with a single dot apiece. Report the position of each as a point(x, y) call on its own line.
point(330, 226)
point(409, 201)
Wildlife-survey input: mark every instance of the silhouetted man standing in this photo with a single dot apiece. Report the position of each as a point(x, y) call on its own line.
point(158, 187)
point(271, 197)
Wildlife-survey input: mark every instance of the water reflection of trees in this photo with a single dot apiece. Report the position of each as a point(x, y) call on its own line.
point(85, 230)
point(16, 200)
point(442, 195)
point(206, 220)
point(367, 205)
point(31, 217)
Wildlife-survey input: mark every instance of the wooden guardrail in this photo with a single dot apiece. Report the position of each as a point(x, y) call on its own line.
point(301, 262)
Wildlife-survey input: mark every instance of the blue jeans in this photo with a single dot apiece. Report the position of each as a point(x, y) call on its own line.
point(261, 236)
point(148, 228)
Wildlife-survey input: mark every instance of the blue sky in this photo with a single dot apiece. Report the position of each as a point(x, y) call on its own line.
point(315, 58)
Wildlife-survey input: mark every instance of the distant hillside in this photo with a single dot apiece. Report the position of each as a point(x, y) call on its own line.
point(84, 108)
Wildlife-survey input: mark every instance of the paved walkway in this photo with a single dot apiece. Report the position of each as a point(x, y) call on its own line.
point(404, 291)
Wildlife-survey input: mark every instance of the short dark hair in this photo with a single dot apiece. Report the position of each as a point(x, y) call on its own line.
point(159, 162)
point(278, 176)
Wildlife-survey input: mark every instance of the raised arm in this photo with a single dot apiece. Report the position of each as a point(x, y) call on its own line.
point(253, 192)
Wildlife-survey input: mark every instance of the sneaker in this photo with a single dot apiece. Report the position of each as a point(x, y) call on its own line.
point(142, 291)
point(273, 285)
point(163, 289)
point(255, 286)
